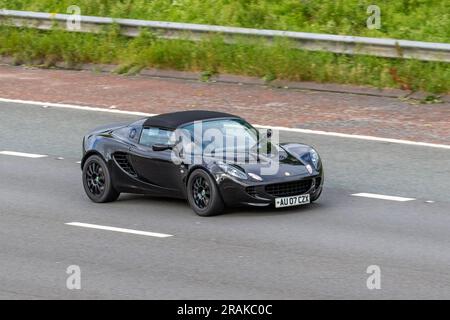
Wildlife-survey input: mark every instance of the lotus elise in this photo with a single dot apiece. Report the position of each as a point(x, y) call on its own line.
point(212, 159)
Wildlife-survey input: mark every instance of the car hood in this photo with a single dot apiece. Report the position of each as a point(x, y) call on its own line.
point(282, 164)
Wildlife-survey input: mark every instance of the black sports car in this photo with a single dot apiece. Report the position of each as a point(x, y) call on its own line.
point(212, 159)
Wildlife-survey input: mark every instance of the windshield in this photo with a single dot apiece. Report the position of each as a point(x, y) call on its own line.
point(223, 134)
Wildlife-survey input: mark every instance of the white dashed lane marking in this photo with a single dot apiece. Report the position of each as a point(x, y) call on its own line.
point(22, 154)
point(122, 230)
point(382, 197)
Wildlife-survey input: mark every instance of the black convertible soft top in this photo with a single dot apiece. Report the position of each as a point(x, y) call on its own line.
point(176, 119)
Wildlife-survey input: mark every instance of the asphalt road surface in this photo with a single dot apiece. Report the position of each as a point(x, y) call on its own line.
point(317, 251)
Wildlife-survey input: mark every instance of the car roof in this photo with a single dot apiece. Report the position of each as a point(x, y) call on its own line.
point(175, 119)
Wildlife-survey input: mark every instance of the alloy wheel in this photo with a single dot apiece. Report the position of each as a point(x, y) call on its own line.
point(95, 179)
point(201, 192)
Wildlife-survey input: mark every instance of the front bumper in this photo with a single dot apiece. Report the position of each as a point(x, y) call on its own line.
point(239, 193)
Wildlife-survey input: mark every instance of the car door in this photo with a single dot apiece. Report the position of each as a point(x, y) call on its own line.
point(156, 167)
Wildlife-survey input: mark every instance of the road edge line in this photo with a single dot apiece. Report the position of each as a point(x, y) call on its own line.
point(287, 129)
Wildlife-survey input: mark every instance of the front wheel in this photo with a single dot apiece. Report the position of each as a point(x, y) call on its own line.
point(316, 196)
point(97, 181)
point(203, 194)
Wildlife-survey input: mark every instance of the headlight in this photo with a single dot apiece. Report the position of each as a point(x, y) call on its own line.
point(315, 159)
point(232, 170)
point(255, 176)
point(312, 157)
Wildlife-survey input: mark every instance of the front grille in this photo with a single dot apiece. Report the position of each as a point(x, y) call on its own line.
point(251, 191)
point(123, 162)
point(287, 189)
point(318, 182)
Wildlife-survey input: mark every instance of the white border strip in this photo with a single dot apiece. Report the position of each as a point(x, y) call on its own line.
point(22, 154)
point(304, 131)
point(141, 233)
point(382, 197)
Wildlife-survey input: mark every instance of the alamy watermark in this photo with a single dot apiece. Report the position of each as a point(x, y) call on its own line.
point(230, 142)
point(374, 21)
point(74, 20)
point(374, 280)
point(73, 282)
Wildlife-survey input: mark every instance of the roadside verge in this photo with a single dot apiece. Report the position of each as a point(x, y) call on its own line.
point(343, 113)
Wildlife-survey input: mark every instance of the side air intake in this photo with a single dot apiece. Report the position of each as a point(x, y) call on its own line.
point(123, 162)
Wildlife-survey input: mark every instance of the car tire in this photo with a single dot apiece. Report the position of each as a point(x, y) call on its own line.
point(203, 194)
point(97, 181)
point(316, 196)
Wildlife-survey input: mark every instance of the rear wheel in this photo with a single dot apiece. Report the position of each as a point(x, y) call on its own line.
point(97, 181)
point(203, 194)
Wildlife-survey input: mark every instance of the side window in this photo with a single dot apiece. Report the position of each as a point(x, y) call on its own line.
point(151, 136)
point(126, 133)
point(122, 132)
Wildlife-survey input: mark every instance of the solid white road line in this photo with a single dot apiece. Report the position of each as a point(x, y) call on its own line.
point(298, 130)
point(21, 154)
point(71, 106)
point(382, 197)
point(359, 137)
point(142, 233)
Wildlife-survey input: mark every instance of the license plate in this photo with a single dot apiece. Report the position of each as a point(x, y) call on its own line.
point(292, 201)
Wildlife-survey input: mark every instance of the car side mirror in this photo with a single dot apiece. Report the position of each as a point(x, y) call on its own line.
point(162, 147)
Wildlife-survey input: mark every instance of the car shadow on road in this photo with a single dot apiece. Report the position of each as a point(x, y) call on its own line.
point(181, 204)
point(131, 197)
point(271, 211)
